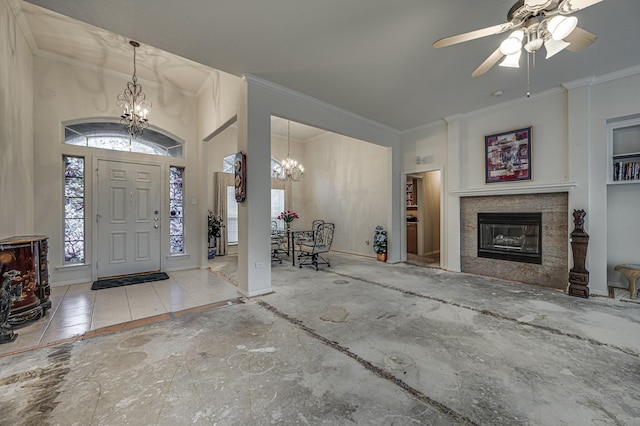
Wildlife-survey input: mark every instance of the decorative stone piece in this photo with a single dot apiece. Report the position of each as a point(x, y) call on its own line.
point(578, 275)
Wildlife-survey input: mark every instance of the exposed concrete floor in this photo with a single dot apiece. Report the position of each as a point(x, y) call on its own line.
point(430, 261)
point(358, 343)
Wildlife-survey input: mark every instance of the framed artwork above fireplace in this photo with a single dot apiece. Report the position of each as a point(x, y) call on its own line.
point(508, 156)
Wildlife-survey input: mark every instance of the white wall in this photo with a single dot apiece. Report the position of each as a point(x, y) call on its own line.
point(429, 142)
point(66, 92)
point(546, 113)
point(217, 102)
point(610, 97)
point(346, 182)
point(216, 150)
point(16, 128)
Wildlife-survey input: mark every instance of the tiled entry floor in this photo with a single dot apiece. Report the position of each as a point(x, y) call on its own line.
point(76, 309)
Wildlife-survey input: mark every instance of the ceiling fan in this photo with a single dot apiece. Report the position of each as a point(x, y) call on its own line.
point(534, 24)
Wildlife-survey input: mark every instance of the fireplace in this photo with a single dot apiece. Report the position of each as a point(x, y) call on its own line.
point(510, 236)
point(552, 271)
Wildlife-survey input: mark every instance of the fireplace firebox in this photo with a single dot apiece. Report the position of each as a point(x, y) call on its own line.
point(510, 236)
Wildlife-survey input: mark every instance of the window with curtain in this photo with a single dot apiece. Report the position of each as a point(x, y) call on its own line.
point(232, 216)
point(277, 206)
point(277, 199)
point(277, 203)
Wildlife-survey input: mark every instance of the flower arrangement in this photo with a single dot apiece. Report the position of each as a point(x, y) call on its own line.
point(380, 240)
point(215, 225)
point(288, 217)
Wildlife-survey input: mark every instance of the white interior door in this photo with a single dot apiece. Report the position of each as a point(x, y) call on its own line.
point(128, 218)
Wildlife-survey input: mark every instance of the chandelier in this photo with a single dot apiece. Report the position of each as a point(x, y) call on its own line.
point(134, 103)
point(289, 169)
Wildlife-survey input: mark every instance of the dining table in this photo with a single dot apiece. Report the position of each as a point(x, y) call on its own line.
point(294, 235)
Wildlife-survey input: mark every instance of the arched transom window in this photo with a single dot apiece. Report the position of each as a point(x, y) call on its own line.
point(114, 136)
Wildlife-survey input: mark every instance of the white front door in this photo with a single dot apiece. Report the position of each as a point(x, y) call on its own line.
point(128, 218)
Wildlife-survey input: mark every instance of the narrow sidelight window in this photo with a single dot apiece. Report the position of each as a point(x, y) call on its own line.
point(74, 242)
point(176, 208)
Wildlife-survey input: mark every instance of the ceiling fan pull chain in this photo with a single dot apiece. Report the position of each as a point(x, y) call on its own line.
point(528, 77)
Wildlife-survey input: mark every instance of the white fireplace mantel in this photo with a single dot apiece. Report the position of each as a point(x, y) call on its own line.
point(513, 189)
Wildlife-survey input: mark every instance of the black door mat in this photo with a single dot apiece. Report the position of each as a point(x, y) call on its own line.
point(129, 280)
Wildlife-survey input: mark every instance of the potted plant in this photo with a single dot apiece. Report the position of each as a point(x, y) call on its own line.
point(380, 243)
point(214, 230)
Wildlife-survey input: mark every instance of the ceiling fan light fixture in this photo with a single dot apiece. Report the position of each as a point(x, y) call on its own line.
point(561, 26)
point(512, 61)
point(554, 46)
point(512, 44)
point(533, 45)
point(543, 22)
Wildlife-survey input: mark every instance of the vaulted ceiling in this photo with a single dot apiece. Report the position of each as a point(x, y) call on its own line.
point(371, 57)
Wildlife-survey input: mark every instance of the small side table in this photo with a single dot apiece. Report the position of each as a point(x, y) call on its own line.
point(631, 272)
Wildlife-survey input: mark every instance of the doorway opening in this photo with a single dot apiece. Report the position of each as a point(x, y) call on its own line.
point(422, 214)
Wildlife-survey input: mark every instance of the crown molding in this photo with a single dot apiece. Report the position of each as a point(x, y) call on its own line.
point(439, 123)
point(587, 81)
point(604, 78)
point(508, 104)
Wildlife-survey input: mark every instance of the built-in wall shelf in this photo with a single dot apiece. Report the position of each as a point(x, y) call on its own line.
point(623, 195)
point(624, 151)
point(411, 193)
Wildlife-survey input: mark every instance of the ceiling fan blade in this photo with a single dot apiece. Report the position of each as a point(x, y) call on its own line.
point(488, 63)
point(579, 39)
point(537, 4)
point(472, 35)
point(569, 6)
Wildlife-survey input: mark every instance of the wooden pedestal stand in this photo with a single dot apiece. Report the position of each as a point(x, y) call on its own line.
point(8, 294)
point(578, 275)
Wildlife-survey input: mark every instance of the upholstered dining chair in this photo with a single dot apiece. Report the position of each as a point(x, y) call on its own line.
point(311, 250)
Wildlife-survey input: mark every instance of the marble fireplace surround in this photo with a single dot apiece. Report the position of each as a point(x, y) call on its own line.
point(553, 272)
